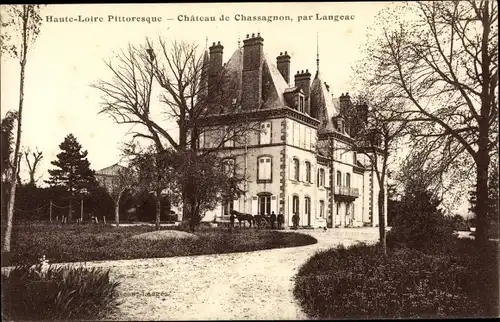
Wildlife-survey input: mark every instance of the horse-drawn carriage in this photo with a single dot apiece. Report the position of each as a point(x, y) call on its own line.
point(257, 221)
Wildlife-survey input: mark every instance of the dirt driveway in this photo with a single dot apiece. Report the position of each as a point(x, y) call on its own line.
point(254, 285)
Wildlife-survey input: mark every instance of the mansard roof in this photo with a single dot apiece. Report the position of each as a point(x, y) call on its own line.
point(273, 82)
point(323, 106)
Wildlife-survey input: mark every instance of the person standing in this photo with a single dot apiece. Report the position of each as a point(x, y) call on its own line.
point(272, 218)
point(231, 220)
point(281, 220)
point(295, 220)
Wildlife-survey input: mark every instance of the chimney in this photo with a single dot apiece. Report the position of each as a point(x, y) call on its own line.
point(215, 58)
point(303, 81)
point(345, 103)
point(283, 63)
point(253, 58)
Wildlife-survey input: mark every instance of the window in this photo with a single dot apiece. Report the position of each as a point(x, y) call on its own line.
point(355, 158)
point(308, 139)
point(295, 204)
point(321, 208)
point(229, 138)
point(307, 208)
point(228, 167)
point(227, 207)
point(321, 177)
point(308, 171)
point(264, 168)
point(296, 169)
point(339, 178)
point(265, 133)
point(348, 180)
point(265, 204)
point(201, 140)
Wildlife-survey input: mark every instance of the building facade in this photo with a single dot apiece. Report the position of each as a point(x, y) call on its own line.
point(301, 157)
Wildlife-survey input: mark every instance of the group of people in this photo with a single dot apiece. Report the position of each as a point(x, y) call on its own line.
point(276, 221)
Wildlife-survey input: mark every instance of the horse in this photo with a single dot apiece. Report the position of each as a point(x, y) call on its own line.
point(243, 217)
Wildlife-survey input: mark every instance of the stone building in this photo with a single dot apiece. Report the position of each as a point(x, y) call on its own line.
point(302, 157)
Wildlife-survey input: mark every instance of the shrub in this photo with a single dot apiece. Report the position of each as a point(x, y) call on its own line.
point(33, 293)
point(421, 225)
point(360, 283)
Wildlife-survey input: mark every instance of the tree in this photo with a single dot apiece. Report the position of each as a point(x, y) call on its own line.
point(421, 224)
point(189, 92)
point(214, 180)
point(7, 140)
point(156, 174)
point(32, 165)
point(441, 57)
point(74, 172)
point(123, 180)
point(24, 21)
point(376, 131)
point(492, 195)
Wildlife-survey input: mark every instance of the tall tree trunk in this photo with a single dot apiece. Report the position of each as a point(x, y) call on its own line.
point(482, 157)
point(117, 211)
point(158, 209)
point(13, 178)
point(482, 198)
point(381, 220)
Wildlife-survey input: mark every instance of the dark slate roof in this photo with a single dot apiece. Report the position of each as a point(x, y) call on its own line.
point(323, 106)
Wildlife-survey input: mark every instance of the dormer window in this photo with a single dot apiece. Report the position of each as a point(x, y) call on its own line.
point(302, 103)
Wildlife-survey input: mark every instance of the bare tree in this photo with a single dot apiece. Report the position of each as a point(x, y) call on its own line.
point(376, 131)
point(189, 96)
point(24, 22)
point(32, 165)
point(443, 61)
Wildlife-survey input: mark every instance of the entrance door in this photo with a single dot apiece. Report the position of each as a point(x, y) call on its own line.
point(308, 210)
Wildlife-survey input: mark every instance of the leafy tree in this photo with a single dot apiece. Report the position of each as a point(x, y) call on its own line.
point(420, 224)
point(7, 140)
point(117, 185)
point(74, 172)
point(209, 182)
point(24, 22)
point(156, 174)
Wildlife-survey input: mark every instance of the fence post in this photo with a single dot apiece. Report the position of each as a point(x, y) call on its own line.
point(50, 211)
point(81, 211)
point(104, 219)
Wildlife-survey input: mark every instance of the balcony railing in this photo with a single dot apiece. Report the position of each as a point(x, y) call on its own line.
point(346, 191)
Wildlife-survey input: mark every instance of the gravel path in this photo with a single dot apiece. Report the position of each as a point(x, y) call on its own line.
point(254, 285)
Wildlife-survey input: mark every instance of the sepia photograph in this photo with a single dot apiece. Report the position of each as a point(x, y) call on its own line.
point(250, 161)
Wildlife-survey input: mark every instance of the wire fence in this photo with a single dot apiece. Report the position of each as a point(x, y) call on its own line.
point(63, 218)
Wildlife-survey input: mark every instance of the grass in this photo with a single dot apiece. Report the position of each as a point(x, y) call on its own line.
point(74, 243)
point(358, 282)
point(57, 293)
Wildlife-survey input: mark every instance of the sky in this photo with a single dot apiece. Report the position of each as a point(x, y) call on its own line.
point(68, 57)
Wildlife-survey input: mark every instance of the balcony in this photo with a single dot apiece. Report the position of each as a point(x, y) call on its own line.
point(346, 192)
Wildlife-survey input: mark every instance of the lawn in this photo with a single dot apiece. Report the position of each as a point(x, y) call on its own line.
point(90, 242)
point(358, 282)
